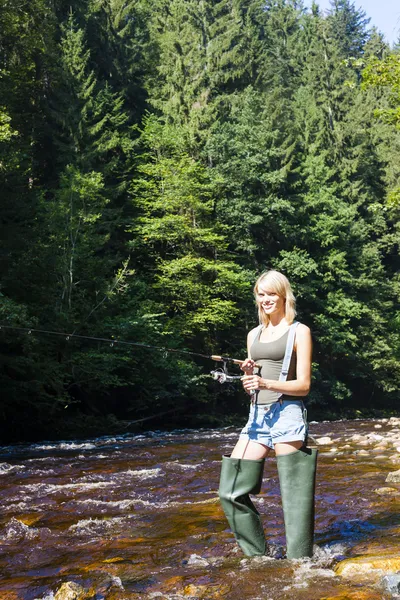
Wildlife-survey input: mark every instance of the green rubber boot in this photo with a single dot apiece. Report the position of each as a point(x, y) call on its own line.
point(297, 480)
point(239, 478)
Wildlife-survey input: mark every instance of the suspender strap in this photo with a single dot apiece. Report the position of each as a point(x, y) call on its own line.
point(288, 353)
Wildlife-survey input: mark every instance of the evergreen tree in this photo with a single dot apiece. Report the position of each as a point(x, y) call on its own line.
point(347, 26)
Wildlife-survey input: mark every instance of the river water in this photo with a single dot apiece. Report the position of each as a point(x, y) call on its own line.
point(136, 516)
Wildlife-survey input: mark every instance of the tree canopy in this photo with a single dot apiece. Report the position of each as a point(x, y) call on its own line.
point(155, 158)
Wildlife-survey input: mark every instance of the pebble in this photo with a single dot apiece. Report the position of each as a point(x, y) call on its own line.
point(198, 561)
point(383, 491)
point(363, 453)
point(378, 449)
point(324, 441)
point(378, 426)
point(393, 477)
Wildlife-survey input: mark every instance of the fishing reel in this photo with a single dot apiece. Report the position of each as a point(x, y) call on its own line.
point(222, 376)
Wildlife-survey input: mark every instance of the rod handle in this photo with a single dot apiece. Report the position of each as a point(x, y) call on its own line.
point(236, 361)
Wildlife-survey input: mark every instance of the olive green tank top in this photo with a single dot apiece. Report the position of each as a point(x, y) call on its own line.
point(270, 356)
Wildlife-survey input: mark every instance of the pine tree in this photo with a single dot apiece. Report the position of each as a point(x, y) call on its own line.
point(347, 26)
point(342, 234)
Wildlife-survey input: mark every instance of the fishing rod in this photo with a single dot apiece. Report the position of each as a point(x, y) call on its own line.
point(221, 375)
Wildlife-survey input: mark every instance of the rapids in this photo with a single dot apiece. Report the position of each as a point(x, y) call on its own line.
point(136, 517)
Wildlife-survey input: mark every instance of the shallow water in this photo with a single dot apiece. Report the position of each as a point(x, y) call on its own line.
point(137, 517)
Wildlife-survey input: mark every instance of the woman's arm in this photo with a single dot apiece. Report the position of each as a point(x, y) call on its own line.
point(297, 387)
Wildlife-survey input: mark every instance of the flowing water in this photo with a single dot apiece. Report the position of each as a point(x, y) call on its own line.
point(136, 516)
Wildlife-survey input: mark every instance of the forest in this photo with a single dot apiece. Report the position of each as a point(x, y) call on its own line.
point(155, 157)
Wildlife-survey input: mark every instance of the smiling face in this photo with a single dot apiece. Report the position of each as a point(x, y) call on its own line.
point(269, 302)
point(274, 298)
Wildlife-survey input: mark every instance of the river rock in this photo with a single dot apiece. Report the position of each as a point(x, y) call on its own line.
point(378, 426)
point(394, 421)
point(205, 592)
point(72, 591)
point(323, 441)
point(356, 437)
point(383, 491)
point(391, 583)
point(393, 477)
point(357, 595)
point(378, 449)
point(197, 561)
point(368, 568)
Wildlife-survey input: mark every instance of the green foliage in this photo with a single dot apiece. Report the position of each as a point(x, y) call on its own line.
point(155, 157)
point(386, 74)
point(186, 251)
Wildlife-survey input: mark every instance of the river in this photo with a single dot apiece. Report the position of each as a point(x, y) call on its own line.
point(136, 516)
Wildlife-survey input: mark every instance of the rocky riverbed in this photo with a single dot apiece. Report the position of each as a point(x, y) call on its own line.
point(137, 517)
point(373, 563)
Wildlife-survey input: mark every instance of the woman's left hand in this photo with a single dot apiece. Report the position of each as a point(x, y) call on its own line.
point(254, 382)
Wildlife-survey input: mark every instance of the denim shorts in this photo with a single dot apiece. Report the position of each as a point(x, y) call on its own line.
point(271, 424)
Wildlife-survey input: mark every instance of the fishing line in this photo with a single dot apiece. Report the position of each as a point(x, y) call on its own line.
point(114, 342)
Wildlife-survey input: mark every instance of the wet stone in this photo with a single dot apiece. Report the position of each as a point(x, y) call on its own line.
point(72, 591)
point(375, 436)
point(383, 491)
point(393, 477)
point(197, 561)
point(368, 568)
point(206, 591)
point(358, 595)
point(323, 441)
point(391, 583)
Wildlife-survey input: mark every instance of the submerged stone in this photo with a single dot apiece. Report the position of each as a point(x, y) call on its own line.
point(368, 568)
point(394, 477)
point(386, 490)
point(324, 441)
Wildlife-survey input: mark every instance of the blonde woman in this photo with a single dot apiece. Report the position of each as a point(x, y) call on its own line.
point(277, 421)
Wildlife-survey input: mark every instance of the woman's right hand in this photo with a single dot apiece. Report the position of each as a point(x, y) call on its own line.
point(248, 366)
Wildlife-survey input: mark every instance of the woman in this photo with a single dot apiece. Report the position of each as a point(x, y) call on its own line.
point(280, 351)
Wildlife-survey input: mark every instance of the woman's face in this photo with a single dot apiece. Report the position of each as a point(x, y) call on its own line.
point(269, 301)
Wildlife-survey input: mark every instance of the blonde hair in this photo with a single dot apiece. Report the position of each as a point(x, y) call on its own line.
point(278, 283)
